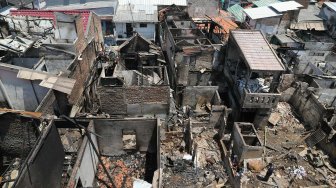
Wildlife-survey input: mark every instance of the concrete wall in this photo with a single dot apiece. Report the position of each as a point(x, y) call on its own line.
point(309, 68)
point(147, 32)
point(86, 46)
point(183, 65)
point(65, 27)
point(110, 143)
point(189, 66)
point(244, 141)
point(134, 100)
point(192, 93)
point(320, 46)
point(194, 78)
point(328, 143)
point(86, 164)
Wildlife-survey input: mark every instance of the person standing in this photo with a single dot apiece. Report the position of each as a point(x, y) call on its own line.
point(269, 172)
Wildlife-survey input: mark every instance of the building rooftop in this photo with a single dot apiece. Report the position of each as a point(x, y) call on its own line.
point(237, 11)
point(286, 6)
point(260, 12)
point(136, 13)
point(99, 7)
point(154, 2)
point(262, 3)
point(75, 2)
point(257, 52)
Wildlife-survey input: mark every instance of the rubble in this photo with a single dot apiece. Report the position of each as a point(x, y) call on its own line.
point(226, 94)
point(123, 169)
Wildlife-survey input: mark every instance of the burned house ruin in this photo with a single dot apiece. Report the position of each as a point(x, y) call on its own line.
point(179, 94)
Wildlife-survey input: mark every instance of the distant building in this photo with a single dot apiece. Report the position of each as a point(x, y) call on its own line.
point(47, 44)
point(139, 16)
point(263, 18)
point(105, 9)
point(272, 18)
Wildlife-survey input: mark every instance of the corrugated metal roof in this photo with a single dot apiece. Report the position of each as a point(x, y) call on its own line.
point(237, 11)
point(331, 5)
point(88, 5)
point(286, 6)
point(262, 3)
point(74, 2)
point(136, 13)
point(49, 14)
point(149, 9)
point(260, 12)
point(154, 2)
point(308, 25)
point(257, 52)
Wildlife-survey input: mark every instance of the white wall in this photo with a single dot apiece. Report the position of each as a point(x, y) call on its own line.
point(268, 26)
point(147, 32)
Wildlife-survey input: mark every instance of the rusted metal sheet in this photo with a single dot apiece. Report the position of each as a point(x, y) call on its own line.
point(23, 113)
point(317, 25)
point(257, 52)
point(223, 20)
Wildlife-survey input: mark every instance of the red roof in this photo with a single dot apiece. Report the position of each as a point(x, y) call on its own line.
point(49, 14)
point(223, 19)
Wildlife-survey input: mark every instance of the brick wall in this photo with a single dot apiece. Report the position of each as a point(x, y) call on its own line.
point(94, 32)
point(159, 94)
point(88, 44)
point(81, 73)
point(114, 100)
